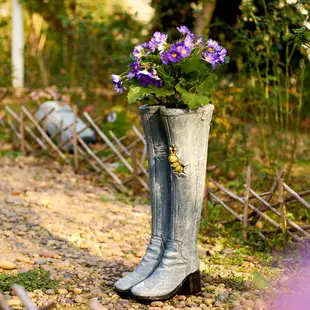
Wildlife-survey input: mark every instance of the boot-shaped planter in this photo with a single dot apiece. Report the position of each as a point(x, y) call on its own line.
point(178, 271)
point(159, 176)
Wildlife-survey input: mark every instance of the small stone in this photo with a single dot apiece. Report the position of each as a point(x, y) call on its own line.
point(168, 307)
point(23, 259)
point(82, 274)
point(14, 302)
point(209, 301)
point(249, 303)
point(50, 292)
point(260, 304)
point(47, 254)
point(6, 265)
point(227, 251)
point(77, 291)
point(62, 291)
point(79, 299)
point(116, 237)
point(40, 261)
point(157, 304)
point(241, 300)
point(222, 296)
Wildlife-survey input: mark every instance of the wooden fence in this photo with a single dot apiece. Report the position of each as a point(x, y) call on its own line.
point(129, 153)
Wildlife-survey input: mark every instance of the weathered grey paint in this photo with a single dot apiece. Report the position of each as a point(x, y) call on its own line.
point(159, 171)
point(188, 130)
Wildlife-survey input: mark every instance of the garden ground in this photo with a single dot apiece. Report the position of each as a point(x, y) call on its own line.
point(86, 237)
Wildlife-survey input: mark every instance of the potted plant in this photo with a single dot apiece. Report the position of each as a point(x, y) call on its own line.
point(175, 81)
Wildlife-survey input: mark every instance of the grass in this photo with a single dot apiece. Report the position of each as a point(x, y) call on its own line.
point(34, 279)
point(10, 154)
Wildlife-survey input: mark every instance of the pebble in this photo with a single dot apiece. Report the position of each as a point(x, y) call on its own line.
point(79, 299)
point(6, 265)
point(260, 304)
point(82, 274)
point(41, 261)
point(14, 302)
point(23, 259)
point(157, 304)
point(62, 291)
point(50, 292)
point(77, 291)
point(209, 301)
point(47, 254)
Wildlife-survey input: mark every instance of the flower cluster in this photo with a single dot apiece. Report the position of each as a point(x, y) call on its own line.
point(214, 53)
point(146, 78)
point(118, 83)
point(155, 59)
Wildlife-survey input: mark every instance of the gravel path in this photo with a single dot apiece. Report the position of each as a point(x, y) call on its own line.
point(55, 219)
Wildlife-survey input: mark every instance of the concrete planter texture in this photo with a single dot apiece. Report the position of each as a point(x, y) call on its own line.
point(177, 145)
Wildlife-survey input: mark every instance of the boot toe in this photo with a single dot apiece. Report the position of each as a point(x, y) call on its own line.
point(144, 290)
point(123, 285)
point(140, 290)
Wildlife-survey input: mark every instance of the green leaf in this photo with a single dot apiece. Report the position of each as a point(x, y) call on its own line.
point(162, 91)
point(192, 100)
point(138, 92)
point(207, 86)
point(194, 63)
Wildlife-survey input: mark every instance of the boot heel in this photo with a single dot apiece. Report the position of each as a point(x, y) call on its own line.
point(192, 284)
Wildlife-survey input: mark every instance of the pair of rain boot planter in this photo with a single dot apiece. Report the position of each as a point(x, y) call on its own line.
point(177, 146)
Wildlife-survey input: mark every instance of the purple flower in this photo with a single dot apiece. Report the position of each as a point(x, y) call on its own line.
point(188, 41)
point(130, 75)
point(135, 68)
point(117, 82)
point(115, 78)
point(182, 49)
point(200, 42)
point(165, 58)
point(212, 45)
point(214, 53)
point(211, 58)
point(174, 55)
point(184, 30)
point(222, 55)
point(140, 51)
point(158, 40)
point(146, 78)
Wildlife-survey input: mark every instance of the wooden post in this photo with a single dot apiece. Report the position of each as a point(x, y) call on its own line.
point(282, 208)
point(22, 132)
point(75, 139)
point(135, 169)
point(246, 202)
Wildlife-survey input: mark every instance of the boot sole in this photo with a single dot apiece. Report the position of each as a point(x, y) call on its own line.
point(121, 293)
point(191, 285)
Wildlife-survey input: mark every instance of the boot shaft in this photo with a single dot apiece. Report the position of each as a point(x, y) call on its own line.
point(187, 133)
point(158, 166)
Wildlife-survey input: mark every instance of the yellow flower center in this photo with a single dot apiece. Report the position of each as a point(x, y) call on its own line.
point(174, 55)
point(210, 49)
point(184, 52)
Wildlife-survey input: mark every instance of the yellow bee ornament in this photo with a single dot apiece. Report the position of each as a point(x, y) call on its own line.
point(173, 159)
